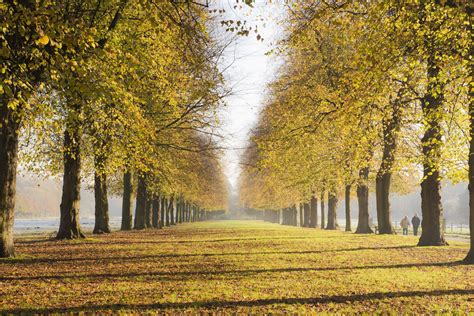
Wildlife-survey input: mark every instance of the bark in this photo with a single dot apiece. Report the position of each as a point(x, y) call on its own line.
point(348, 207)
point(382, 192)
point(332, 205)
point(180, 210)
point(171, 211)
point(156, 212)
point(363, 226)
point(188, 210)
point(148, 211)
point(470, 256)
point(101, 204)
point(432, 231)
point(167, 213)
point(162, 211)
point(306, 214)
point(314, 212)
point(384, 174)
point(294, 215)
point(9, 128)
point(140, 207)
point(323, 221)
point(69, 227)
point(301, 211)
point(126, 202)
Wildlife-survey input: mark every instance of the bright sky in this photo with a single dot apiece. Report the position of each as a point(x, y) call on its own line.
point(249, 72)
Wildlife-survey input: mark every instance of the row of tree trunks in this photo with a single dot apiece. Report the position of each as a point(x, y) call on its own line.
point(271, 216)
point(289, 216)
point(153, 211)
point(183, 211)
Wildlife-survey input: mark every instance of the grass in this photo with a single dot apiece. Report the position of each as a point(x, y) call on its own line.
point(237, 266)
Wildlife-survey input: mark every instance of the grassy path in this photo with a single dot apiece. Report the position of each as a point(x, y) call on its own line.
point(233, 266)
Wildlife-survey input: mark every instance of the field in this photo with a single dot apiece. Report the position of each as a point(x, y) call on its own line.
point(236, 266)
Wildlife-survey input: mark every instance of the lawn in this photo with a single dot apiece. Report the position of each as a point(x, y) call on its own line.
point(236, 266)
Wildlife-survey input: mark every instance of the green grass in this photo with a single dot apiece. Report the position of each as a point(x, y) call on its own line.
point(237, 266)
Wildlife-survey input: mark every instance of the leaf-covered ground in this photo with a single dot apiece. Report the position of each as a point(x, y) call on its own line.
point(236, 266)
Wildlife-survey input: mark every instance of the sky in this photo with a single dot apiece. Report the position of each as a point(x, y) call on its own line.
point(248, 70)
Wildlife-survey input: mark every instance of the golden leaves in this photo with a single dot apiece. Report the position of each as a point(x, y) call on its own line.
point(42, 41)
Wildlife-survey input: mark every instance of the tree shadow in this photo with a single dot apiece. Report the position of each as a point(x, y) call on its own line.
point(242, 272)
point(342, 299)
point(128, 242)
point(176, 255)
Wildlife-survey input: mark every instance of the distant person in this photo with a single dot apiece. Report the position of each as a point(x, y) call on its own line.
point(415, 221)
point(404, 224)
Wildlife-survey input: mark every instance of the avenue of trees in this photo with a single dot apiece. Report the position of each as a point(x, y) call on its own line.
point(373, 96)
point(122, 94)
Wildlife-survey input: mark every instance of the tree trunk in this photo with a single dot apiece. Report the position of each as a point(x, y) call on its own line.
point(140, 208)
point(180, 210)
point(432, 104)
point(171, 211)
point(188, 212)
point(384, 175)
point(101, 204)
point(348, 207)
point(167, 213)
point(156, 212)
point(69, 226)
point(332, 205)
point(306, 214)
point(314, 212)
point(363, 226)
point(301, 211)
point(382, 192)
point(9, 128)
point(148, 210)
point(470, 256)
point(126, 202)
point(162, 211)
point(323, 220)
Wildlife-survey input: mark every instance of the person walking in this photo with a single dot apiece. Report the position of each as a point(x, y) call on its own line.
point(415, 221)
point(404, 224)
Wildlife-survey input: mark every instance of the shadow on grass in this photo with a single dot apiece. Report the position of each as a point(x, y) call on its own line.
point(175, 255)
point(186, 274)
point(140, 242)
point(247, 303)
